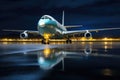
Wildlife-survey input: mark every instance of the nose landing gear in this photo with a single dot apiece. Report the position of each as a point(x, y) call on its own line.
point(45, 41)
point(46, 38)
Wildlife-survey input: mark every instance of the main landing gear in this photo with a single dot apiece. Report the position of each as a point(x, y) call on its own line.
point(68, 41)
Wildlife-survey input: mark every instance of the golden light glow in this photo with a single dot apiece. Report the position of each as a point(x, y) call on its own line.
point(107, 72)
point(47, 52)
point(47, 36)
point(90, 38)
point(90, 42)
point(83, 43)
point(83, 38)
point(105, 43)
point(105, 38)
point(24, 43)
point(105, 47)
point(4, 42)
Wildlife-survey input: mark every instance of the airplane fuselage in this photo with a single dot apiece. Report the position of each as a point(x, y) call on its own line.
point(49, 26)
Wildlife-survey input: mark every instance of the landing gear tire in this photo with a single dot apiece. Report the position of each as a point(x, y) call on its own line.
point(68, 41)
point(44, 41)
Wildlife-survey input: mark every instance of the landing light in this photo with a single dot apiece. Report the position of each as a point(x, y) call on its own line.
point(46, 36)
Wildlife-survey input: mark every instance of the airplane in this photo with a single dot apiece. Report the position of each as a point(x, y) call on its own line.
point(48, 27)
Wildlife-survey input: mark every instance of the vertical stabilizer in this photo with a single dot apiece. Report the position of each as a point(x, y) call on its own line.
point(63, 18)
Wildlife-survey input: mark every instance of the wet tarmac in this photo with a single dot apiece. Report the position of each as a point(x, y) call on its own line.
point(60, 61)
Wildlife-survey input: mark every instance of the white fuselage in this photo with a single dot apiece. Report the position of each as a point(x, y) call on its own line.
point(48, 25)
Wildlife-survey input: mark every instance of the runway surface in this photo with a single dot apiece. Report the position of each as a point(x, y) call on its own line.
point(60, 61)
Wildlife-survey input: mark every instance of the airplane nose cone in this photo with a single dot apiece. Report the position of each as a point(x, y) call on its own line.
point(41, 23)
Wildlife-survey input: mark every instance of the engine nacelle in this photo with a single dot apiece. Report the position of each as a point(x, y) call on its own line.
point(87, 35)
point(24, 35)
point(88, 50)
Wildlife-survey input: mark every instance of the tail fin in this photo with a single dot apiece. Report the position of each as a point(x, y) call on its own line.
point(63, 19)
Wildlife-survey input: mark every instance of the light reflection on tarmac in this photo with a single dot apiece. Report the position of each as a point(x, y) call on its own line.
point(79, 60)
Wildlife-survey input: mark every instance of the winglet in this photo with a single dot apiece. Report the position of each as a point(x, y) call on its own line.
point(63, 19)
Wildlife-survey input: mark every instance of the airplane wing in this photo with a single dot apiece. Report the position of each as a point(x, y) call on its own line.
point(28, 31)
point(90, 30)
point(72, 26)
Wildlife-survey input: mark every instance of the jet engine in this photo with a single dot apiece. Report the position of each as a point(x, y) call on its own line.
point(87, 34)
point(24, 34)
point(87, 50)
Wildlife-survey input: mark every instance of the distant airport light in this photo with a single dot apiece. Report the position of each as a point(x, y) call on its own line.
point(24, 43)
point(107, 72)
point(105, 47)
point(90, 38)
point(47, 36)
point(4, 42)
point(83, 39)
point(105, 43)
point(105, 38)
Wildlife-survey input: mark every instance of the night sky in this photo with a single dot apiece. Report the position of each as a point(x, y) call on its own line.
point(24, 14)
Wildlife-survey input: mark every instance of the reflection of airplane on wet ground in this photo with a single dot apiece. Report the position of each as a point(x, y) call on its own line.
point(48, 28)
point(49, 57)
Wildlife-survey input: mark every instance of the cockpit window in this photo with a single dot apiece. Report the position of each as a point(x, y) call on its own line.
point(42, 17)
point(46, 17)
